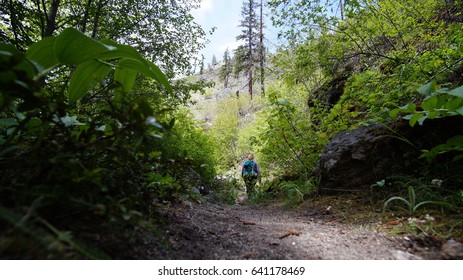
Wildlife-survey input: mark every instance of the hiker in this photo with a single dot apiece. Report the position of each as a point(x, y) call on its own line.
point(250, 173)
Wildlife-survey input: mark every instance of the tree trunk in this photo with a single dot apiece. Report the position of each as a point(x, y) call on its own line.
point(341, 7)
point(251, 62)
point(261, 50)
point(86, 14)
point(96, 20)
point(14, 24)
point(51, 19)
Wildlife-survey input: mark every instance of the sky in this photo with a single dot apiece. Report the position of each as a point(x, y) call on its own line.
point(225, 15)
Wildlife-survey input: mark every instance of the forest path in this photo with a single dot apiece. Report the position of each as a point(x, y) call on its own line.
point(211, 231)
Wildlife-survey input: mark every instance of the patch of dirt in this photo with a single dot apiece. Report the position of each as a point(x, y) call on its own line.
point(211, 231)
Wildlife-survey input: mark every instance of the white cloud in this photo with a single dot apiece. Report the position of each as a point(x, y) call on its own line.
point(206, 7)
point(231, 45)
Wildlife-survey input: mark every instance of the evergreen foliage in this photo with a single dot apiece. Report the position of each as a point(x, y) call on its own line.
point(226, 69)
point(214, 61)
point(250, 36)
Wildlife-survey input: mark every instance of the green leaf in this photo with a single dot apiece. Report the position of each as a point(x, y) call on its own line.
point(115, 50)
point(134, 65)
point(415, 117)
point(457, 92)
point(11, 56)
point(8, 122)
point(148, 69)
point(85, 77)
point(161, 78)
point(459, 110)
point(409, 108)
point(125, 77)
point(132, 60)
point(73, 47)
point(34, 123)
point(453, 103)
point(394, 113)
point(456, 140)
point(433, 115)
point(422, 119)
point(429, 104)
point(42, 53)
point(427, 89)
point(395, 198)
point(412, 197)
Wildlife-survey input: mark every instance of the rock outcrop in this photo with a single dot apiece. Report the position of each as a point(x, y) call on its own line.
point(355, 159)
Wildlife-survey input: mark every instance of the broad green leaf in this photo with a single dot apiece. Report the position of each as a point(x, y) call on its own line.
point(125, 80)
point(34, 123)
point(453, 103)
point(74, 47)
point(9, 53)
point(115, 50)
point(135, 65)
point(394, 113)
point(433, 115)
point(85, 77)
point(161, 78)
point(125, 77)
point(460, 111)
point(429, 104)
point(148, 69)
point(422, 119)
point(408, 117)
point(457, 92)
point(409, 108)
point(132, 60)
point(427, 89)
point(8, 122)
point(443, 90)
point(415, 117)
point(456, 140)
point(43, 54)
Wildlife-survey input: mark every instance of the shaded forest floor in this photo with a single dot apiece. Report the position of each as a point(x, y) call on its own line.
point(272, 231)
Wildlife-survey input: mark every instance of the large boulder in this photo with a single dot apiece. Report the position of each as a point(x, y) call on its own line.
point(355, 159)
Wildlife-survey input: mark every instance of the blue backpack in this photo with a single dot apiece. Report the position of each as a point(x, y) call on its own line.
point(248, 168)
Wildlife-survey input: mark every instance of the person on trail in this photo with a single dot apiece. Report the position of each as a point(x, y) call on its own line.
point(250, 173)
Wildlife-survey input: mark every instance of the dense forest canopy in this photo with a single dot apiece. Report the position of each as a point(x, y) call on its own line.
point(163, 31)
point(96, 127)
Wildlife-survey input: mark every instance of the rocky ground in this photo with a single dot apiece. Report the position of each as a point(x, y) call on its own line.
point(271, 231)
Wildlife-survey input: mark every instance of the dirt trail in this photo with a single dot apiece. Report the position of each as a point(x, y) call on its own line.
point(211, 231)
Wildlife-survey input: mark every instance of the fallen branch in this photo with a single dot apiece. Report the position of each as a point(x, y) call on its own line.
point(290, 232)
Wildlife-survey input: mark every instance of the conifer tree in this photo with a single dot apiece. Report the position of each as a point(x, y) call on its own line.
point(261, 49)
point(201, 65)
point(249, 34)
point(226, 69)
point(214, 61)
point(239, 60)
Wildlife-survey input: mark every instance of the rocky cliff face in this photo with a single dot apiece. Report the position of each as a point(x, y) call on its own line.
point(355, 159)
